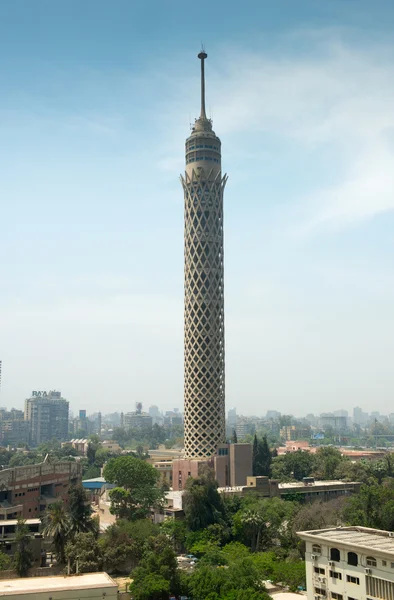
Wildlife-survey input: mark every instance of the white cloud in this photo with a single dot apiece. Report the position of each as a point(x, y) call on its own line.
point(336, 96)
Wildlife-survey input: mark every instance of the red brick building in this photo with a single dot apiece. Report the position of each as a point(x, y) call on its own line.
point(27, 491)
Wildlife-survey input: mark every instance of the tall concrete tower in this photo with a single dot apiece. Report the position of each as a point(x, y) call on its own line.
point(203, 186)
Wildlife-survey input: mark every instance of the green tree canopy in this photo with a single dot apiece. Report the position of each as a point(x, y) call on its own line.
point(56, 525)
point(23, 558)
point(80, 512)
point(137, 489)
point(85, 550)
point(202, 502)
point(159, 560)
point(262, 457)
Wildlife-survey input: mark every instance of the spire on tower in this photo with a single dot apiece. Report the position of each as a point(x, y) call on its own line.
point(202, 56)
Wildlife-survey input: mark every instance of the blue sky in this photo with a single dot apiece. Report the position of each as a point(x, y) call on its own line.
point(95, 104)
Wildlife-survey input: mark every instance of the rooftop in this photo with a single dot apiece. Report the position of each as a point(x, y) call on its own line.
point(360, 537)
point(94, 484)
point(15, 522)
point(34, 585)
point(316, 483)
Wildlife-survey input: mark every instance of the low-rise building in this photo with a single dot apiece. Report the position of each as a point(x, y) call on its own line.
point(91, 586)
point(349, 563)
point(28, 490)
point(8, 543)
point(111, 446)
point(80, 445)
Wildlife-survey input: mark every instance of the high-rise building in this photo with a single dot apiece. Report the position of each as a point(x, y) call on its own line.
point(14, 429)
point(203, 186)
point(47, 414)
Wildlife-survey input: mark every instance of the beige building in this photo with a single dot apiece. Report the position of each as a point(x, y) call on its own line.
point(89, 586)
point(111, 446)
point(349, 563)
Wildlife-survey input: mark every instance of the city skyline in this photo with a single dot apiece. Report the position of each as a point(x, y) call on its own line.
point(93, 117)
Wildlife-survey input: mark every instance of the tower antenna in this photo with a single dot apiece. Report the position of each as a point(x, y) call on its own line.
point(202, 56)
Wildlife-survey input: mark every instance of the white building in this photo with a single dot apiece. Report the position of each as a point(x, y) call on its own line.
point(349, 563)
point(88, 586)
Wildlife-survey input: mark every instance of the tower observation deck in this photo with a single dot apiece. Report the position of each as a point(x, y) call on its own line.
point(204, 389)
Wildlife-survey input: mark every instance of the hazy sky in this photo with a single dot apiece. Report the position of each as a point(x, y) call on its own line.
point(96, 98)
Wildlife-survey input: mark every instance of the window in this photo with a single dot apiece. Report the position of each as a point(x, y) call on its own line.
point(335, 575)
point(384, 563)
point(319, 570)
point(392, 565)
point(350, 598)
point(352, 559)
point(351, 579)
point(316, 549)
point(335, 555)
point(371, 561)
point(336, 596)
point(320, 592)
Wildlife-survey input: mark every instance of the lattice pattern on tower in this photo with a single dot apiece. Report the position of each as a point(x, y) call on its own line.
point(204, 312)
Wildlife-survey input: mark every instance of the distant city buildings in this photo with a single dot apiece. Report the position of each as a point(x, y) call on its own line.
point(138, 419)
point(47, 416)
point(14, 430)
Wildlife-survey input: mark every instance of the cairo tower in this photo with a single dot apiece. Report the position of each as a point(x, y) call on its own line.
point(203, 186)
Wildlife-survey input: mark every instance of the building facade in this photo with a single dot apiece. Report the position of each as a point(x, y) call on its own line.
point(203, 187)
point(14, 430)
point(47, 415)
point(27, 491)
point(349, 563)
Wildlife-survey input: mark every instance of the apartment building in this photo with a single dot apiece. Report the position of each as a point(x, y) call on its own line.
point(349, 563)
point(47, 416)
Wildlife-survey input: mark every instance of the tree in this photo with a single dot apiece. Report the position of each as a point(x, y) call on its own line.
point(261, 457)
point(91, 453)
point(57, 526)
point(80, 512)
point(294, 465)
point(372, 507)
point(253, 523)
point(201, 501)
point(150, 587)
point(137, 489)
point(5, 561)
point(23, 558)
point(234, 438)
point(160, 561)
point(327, 461)
point(84, 550)
point(123, 544)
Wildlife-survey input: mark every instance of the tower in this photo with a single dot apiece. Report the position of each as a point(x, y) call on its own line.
point(203, 187)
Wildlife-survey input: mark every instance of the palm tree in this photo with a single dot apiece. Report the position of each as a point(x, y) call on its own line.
point(57, 526)
point(253, 523)
point(80, 512)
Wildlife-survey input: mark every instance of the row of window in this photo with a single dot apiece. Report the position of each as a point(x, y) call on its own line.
point(190, 160)
point(202, 146)
point(334, 595)
point(336, 575)
point(352, 557)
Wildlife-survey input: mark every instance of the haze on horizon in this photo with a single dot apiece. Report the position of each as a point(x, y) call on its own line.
point(95, 107)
